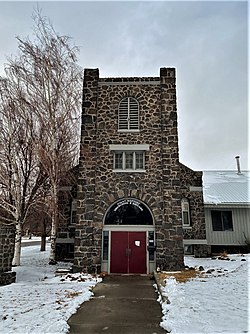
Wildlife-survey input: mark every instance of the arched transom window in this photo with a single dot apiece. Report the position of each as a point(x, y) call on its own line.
point(128, 115)
point(128, 211)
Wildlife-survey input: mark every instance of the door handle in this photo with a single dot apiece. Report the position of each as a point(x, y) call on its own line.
point(128, 251)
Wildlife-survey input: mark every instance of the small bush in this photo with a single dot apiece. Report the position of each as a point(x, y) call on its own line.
point(224, 254)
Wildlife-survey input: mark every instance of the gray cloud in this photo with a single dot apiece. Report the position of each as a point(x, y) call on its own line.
point(205, 41)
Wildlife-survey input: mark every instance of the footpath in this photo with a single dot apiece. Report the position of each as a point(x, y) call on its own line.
point(121, 305)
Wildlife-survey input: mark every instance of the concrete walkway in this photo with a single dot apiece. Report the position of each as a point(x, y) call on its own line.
point(121, 304)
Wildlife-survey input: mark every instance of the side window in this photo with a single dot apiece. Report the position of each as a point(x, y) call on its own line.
point(105, 245)
point(222, 220)
point(185, 212)
point(128, 115)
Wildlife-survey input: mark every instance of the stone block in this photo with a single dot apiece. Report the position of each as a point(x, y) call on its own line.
point(163, 184)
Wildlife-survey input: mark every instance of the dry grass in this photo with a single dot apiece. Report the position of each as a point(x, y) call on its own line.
point(180, 276)
point(72, 294)
point(224, 254)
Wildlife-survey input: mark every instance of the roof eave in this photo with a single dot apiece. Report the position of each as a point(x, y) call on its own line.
point(228, 204)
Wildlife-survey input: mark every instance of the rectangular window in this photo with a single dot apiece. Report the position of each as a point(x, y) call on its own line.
point(129, 161)
point(73, 208)
point(185, 218)
point(139, 160)
point(105, 245)
point(185, 212)
point(188, 249)
point(222, 220)
point(118, 160)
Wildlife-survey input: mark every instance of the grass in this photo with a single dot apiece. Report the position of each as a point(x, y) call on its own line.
point(224, 254)
point(180, 276)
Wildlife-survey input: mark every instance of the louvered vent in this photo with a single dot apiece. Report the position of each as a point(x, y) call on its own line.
point(128, 114)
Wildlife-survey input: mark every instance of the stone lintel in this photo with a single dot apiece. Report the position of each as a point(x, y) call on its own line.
point(133, 147)
point(195, 241)
point(198, 189)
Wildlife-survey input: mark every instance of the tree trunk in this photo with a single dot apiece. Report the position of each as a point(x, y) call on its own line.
point(17, 253)
point(52, 257)
point(43, 237)
point(43, 243)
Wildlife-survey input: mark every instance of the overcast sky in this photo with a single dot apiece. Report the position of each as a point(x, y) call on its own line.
point(205, 41)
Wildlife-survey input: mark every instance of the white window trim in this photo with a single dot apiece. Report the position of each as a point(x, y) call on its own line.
point(132, 130)
point(133, 147)
point(122, 148)
point(128, 170)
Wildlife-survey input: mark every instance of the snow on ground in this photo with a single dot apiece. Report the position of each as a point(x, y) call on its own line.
point(26, 239)
point(40, 302)
point(215, 303)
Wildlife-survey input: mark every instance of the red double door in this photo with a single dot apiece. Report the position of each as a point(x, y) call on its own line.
point(128, 253)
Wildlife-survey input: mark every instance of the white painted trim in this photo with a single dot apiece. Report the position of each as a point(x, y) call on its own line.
point(128, 228)
point(228, 206)
point(192, 188)
point(131, 130)
point(194, 241)
point(129, 170)
point(128, 83)
point(133, 147)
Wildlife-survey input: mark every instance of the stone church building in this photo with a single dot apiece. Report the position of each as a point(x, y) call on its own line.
point(137, 208)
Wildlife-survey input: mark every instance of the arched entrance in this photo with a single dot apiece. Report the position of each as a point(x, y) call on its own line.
point(128, 238)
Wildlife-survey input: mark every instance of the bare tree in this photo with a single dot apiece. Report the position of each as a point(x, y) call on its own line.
point(47, 71)
point(39, 222)
point(21, 174)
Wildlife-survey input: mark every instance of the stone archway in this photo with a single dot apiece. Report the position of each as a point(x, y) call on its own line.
point(128, 234)
point(128, 211)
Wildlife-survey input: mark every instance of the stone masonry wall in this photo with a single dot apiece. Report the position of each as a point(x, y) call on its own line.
point(195, 197)
point(7, 242)
point(159, 187)
point(87, 252)
point(190, 178)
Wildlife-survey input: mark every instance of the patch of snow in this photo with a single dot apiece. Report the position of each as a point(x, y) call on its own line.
point(39, 302)
point(226, 187)
point(33, 238)
point(217, 303)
